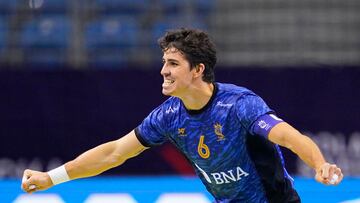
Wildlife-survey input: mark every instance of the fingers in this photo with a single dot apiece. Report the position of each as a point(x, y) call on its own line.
point(27, 182)
point(329, 174)
point(31, 189)
point(26, 176)
point(340, 175)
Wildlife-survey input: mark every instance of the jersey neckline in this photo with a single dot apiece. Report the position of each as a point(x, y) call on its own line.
point(199, 111)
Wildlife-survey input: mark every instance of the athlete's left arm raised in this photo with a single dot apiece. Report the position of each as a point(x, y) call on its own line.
point(287, 136)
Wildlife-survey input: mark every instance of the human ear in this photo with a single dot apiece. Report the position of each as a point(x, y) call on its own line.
point(199, 69)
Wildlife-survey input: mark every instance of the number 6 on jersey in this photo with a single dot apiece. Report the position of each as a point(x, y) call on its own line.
point(203, 149)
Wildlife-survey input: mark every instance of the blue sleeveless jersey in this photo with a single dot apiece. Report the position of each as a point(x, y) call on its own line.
point(234, 163)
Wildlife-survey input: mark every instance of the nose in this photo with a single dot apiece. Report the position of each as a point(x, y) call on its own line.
point(164, 70)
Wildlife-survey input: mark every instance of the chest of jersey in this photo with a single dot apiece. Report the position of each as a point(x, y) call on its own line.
point(216, 146)
point(214, 140)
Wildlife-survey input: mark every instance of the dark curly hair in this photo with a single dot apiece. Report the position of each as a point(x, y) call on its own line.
point(195, 45)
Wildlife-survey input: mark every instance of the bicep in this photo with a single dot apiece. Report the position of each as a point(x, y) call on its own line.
point(129, 145)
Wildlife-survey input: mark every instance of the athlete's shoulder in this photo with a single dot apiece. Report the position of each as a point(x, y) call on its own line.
point(170, 106)
point(235, 90)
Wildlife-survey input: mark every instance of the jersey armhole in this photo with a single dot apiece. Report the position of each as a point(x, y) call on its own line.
point(140, 138)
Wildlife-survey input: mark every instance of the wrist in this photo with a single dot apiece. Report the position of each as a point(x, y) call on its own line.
point(58, 175)
point(320, 165)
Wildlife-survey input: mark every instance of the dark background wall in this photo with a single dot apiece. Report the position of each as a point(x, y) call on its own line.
point(59, 114)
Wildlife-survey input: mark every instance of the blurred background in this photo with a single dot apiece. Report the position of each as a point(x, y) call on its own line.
point(75, 74)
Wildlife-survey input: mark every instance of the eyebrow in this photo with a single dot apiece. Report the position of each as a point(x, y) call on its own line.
point(171, 60)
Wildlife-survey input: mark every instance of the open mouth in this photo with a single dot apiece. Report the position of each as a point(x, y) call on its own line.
point(168, 82)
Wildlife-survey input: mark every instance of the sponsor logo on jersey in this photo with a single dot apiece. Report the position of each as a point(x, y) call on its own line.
point(171, 110)
point(181, 132)
point(220, 103)
point(224, 177)
point(218, 131)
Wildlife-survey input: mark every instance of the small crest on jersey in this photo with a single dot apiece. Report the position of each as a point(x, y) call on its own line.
point(262, 124)
point(181, 132)
point(218, 132)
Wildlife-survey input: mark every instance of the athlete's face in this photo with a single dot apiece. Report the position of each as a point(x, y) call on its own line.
point(176, 73)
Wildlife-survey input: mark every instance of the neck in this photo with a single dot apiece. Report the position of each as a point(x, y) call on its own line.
point(198, 96)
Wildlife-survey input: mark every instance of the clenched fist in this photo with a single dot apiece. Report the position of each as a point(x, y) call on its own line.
point(33, 181)
point(329, 174)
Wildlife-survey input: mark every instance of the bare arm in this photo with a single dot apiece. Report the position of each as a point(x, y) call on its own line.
point(104, 157)
point(90, 163)
point(287, 136)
